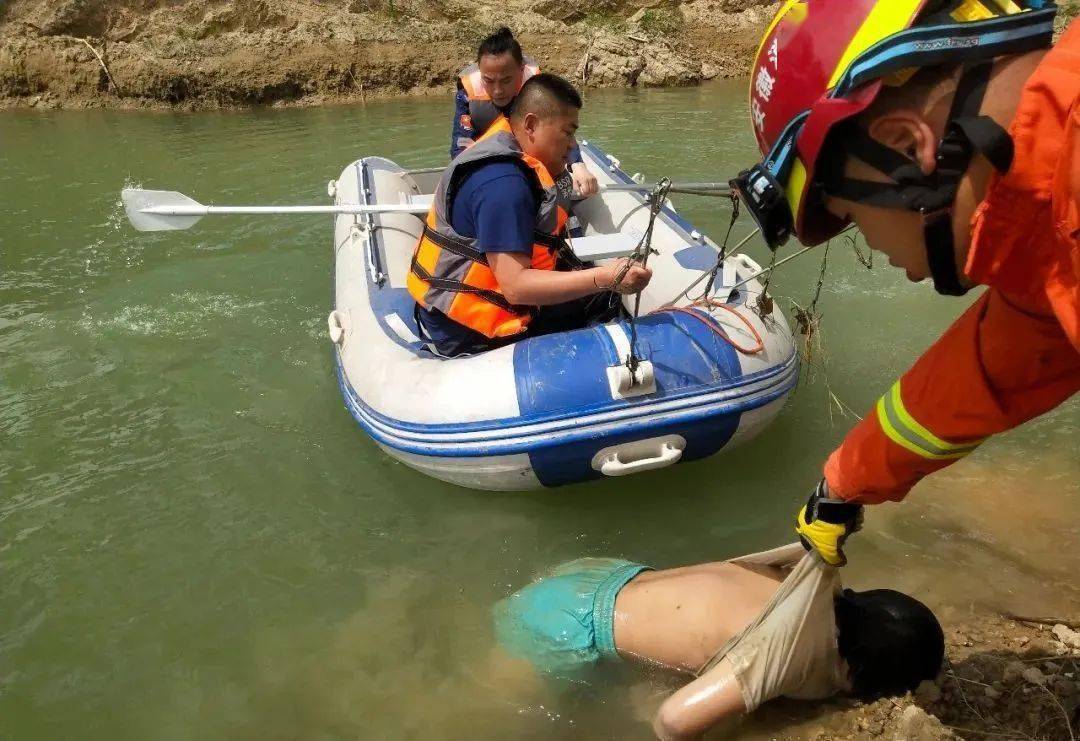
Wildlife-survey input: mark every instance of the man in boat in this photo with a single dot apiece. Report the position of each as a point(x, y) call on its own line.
point(751, 629)
point(948, 132)
point(485, 91)
point(491, 266)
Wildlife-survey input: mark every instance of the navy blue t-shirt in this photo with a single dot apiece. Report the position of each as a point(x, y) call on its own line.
point(496, 205)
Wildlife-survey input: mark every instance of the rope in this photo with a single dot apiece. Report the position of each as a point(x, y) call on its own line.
point(641, 255)
point(710, 321)
point(722, 255)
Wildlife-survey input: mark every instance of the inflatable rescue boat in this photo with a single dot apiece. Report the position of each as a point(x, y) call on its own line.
point(566, 407)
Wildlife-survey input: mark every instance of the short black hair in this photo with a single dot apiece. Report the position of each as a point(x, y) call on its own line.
point(501, 42)
point(545, 95)
point(890, 641)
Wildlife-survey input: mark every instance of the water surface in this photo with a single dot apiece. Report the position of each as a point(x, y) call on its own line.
point(197, 541)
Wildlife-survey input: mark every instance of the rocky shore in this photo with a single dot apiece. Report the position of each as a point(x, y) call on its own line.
point(1004, 678)
point(217, 54)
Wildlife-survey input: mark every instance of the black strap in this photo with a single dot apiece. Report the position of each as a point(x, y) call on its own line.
point(941, 253)
point(460, 247)
point(561, 249)
point(988, 138)
point(456, 286)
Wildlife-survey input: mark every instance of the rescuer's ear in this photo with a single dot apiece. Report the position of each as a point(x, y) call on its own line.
point(908, 132)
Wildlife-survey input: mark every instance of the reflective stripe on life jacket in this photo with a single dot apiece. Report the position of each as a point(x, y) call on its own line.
point(482, 111)
point(448, 271)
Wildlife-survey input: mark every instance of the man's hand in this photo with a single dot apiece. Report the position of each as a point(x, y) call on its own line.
point(585, 183)
point(624, 276)
point(824, 524)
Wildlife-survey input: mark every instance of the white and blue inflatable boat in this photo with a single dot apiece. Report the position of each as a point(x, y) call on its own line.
point(560, 408)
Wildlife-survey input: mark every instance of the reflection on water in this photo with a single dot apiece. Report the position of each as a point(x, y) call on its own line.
point(199, 542)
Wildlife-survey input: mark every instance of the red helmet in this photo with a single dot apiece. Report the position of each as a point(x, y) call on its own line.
point(822, 62)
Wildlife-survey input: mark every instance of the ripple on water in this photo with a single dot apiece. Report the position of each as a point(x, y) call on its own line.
point(183, 315)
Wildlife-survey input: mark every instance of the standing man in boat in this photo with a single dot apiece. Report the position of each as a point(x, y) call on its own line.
point(491, 266)
point(948, 132)
point(485, 91)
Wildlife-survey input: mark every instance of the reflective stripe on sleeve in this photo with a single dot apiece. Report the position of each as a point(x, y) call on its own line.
point(906, 432)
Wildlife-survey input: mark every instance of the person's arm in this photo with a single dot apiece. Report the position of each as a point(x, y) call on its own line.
point(996, 367)
point(525, 286)
point(585, 183)
point(504, 212)
point(461, 131)
point(700, 705)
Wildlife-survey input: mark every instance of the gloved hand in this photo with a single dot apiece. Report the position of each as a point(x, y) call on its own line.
point(824, 524)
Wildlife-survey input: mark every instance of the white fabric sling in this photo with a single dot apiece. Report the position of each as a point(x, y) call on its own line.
point(790, 648)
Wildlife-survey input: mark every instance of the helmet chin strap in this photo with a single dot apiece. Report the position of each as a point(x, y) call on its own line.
point(933, 196)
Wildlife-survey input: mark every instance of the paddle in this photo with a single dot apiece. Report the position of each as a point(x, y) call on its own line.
point(164, 210)
point(167, 210)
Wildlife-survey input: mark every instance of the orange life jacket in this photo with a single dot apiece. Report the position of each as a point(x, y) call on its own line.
point(451, 274)
point(482, 112)
point(1015, 353)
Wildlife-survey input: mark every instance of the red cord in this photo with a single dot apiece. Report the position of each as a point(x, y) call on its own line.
point(710, 322)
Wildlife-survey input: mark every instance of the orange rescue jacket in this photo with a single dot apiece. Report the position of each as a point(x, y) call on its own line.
point(1015, 353)
point(451, 274)
point(482, 111)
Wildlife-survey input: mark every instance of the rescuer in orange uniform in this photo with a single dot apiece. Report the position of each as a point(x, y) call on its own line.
point(949, 134)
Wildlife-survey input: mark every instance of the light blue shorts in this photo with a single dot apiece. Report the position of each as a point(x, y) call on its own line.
point(565, 620)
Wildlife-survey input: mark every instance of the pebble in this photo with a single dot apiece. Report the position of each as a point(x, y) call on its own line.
point(992, 693)
point(1034, 676)
point(1013, 671)
point(1066, 635)
point(927, 692)
point(1023, 640)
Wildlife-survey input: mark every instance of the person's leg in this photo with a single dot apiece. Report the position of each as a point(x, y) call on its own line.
point(446, 338)
point(584, 312)
point(564, 621)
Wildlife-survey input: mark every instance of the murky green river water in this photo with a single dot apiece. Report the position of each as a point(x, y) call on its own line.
point(196, 540)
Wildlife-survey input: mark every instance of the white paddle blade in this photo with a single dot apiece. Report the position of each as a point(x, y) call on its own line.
point(143, 208)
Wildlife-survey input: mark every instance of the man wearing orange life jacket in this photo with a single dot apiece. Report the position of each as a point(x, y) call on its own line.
point(490, 267)
point(949, 133)
point(485, 91)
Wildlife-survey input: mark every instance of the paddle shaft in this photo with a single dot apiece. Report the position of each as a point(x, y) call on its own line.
point(200, 210)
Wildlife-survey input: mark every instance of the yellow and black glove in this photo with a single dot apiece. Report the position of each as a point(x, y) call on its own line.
point(824, 524)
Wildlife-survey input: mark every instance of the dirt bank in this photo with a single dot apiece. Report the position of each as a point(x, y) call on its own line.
point(1003, 679)
point(218, 53)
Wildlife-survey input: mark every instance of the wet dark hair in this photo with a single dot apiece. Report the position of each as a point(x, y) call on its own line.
point(545, 95)
point(891, 642)
point(501, 42)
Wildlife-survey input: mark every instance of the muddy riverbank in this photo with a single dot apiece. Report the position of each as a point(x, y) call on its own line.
point(201, 55)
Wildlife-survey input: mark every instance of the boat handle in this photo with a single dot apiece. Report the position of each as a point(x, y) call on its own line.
point(669, 454)
point(336, 328)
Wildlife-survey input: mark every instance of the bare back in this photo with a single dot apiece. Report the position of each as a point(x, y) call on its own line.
point(679, 618)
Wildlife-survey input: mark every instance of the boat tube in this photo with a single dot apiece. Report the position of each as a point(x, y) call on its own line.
point(560, 408)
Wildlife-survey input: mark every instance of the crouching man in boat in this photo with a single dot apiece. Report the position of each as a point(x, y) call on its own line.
point(750, 629)
point(485, 91)
point(491, 266)
point(948, 131)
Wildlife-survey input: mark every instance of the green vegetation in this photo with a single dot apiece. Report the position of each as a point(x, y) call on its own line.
point(661, 22)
